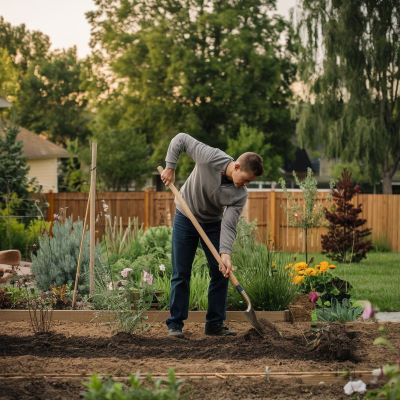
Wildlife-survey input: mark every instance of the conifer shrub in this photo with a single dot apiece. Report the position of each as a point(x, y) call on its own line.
point(346, 241)
point(56, 260)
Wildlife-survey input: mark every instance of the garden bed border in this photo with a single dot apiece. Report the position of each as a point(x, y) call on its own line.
point(153, 316)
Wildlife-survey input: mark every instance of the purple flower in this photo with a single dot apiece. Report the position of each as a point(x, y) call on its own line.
point(147, 277)
point(313, 296)
point(368, 312)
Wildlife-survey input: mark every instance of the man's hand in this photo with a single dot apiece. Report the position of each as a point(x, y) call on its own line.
point(226, 268)
point(168, 176)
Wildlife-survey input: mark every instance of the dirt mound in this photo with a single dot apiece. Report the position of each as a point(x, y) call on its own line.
point(333, 342)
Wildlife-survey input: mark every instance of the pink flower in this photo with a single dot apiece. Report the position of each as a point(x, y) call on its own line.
point(125, 272)
point(368, 312)
point(147, 278)
point(313, 296)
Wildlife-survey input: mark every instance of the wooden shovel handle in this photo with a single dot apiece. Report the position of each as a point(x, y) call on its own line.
point(198, 227)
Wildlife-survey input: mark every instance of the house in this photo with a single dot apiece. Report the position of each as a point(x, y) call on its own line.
point(42, 156)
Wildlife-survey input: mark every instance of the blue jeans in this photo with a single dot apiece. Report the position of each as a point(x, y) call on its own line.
point(185, 240)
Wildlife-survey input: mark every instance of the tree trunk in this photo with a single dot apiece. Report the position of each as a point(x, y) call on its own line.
point(387, 183)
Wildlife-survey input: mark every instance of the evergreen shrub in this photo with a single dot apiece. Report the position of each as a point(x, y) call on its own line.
point(56, 260)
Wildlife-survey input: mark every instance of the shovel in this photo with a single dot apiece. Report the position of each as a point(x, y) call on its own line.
point(249, 313)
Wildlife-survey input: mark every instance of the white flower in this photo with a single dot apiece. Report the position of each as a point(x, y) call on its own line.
point(110, 286)
point(355, 387)
point(376, 374)
point(147, 278)
point(105, 206)
point(125, 272)
point(162, 267)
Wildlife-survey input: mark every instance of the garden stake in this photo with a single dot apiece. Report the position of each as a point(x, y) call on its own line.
point(78, 267)
point(249, 313)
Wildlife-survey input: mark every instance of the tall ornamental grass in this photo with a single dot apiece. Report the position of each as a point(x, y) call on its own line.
point(261, 272)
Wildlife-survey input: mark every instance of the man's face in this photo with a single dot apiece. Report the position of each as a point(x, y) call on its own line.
point(242, 178)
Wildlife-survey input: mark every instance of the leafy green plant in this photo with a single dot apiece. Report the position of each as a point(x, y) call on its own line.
point(157, 240)
point(129, 308)
point(159, 389)
point(56, 260)
point(338, 311)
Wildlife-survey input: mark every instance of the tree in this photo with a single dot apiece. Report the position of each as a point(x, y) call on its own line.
point(52, 99)
point(307, 214)
point(249, 139)
point(350, 63)
point(346, 240)
point(122, 150)
point(23, 46)
point(13, 166)
point(201, 67)
point(8, 75)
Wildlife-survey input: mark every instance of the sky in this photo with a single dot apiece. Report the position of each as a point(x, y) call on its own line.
point(64, 21)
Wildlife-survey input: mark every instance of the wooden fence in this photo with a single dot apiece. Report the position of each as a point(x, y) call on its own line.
point(268, 208)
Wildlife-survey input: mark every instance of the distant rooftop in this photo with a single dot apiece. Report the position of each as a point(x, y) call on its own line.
point(36, 147)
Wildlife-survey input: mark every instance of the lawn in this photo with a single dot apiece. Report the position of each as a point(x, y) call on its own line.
point(376, 278)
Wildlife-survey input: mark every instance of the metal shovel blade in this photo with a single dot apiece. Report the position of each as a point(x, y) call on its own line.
point(252, 318)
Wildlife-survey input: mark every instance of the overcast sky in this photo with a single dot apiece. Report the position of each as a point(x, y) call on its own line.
point(64, 20)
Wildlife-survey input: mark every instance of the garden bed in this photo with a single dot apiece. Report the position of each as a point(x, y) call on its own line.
point(50, 365)
point(152, 316)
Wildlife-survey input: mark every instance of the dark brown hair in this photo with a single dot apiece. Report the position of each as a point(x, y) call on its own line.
point(251, 162)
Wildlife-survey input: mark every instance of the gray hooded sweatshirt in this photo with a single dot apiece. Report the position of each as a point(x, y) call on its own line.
point(209, 195)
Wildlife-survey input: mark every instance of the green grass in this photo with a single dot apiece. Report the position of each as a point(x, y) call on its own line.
point(376, 278)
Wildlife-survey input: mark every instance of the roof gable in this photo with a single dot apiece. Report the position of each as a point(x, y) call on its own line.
point(36, 147)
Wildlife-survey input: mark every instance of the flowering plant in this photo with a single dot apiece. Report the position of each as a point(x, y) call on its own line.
point(318, 282)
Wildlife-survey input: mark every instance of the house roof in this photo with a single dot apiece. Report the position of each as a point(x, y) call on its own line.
point(36, 147)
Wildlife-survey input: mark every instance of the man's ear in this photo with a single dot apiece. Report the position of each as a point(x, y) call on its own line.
point(237, 166)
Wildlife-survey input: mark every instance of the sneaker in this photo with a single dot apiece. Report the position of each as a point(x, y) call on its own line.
point(175, 332)
point(219, 330)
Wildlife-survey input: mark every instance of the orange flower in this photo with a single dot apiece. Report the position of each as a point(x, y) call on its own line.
point(332, 266)
point(309, 271)
point(324, 268)
point(324, 264)
point(298, 279)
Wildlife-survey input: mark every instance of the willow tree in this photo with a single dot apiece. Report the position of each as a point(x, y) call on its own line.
point(350, 63)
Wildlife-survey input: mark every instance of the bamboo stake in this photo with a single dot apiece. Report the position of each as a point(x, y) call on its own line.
point(92, 218)
point(78, 267)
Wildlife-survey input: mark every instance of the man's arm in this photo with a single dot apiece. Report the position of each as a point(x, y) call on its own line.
point(228, 235)
point(184, 143)
point(228, 228)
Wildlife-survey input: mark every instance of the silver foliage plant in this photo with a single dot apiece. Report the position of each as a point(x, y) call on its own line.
point(56, 260)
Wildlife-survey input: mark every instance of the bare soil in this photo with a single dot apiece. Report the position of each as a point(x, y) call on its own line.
point(76, 348)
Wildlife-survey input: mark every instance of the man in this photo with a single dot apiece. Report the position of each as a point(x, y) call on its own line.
point(215, 193)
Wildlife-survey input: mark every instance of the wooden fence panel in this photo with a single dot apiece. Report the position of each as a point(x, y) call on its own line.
point(268, 208)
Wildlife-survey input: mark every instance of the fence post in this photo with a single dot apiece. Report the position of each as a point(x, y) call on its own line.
point(50, 198)
point(272, 217)
point(149, 207)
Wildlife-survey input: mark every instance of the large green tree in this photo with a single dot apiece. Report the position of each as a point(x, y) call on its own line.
point(350, 66)
point(51, 93)
point(52, 98)
point(24, 46)
point(122, 150)
point(204, 67)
